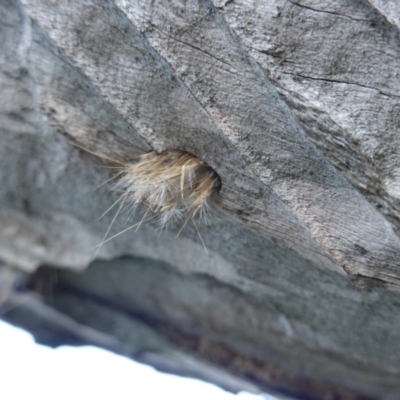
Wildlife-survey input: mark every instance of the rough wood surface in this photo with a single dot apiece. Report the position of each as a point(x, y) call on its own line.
point(295, 104)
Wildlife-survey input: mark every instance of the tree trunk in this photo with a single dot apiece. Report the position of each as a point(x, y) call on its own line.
point(292, 287)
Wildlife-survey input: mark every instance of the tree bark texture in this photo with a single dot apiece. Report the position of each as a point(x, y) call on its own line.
point(294, 103)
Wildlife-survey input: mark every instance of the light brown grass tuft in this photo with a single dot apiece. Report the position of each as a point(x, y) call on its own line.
point(173, 185)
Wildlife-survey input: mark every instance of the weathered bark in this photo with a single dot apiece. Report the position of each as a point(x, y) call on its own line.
point(295, 104)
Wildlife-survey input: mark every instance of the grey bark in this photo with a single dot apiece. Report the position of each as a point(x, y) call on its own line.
point(295, 104)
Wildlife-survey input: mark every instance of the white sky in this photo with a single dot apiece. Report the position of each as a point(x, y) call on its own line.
point(32, 372)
